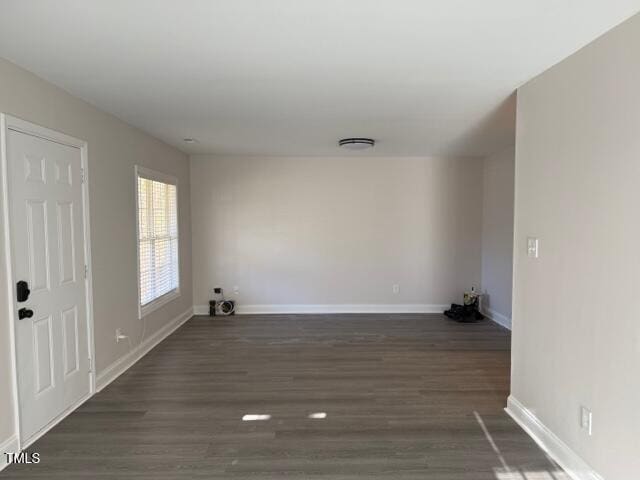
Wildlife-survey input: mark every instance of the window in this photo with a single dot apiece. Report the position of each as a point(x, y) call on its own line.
point(158, 265)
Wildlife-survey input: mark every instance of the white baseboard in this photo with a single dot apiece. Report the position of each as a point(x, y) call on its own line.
point(559, 451)
point(346, 308)
point(121, 365)
point(497, 317)
point(10, 445)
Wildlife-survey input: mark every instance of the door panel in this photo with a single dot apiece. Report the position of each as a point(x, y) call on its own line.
point(47, 241)
point(38, 245)
point(64, 175)
point(71, 340)
point(43, 354)
point(66, 242)
point(34, 169)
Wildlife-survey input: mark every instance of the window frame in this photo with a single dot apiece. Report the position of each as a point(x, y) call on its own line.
point(155, 304)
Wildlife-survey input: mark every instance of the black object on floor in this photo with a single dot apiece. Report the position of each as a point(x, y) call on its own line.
point(222, 308)
point(464, 313)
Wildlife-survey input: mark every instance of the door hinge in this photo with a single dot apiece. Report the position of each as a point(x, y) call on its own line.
point(82, 175)
point(90, 364)
point(86, 271)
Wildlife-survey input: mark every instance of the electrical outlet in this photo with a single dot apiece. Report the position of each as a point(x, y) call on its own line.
point(396, 289)
point(236, 290)
point(586, 420)
point(120, 335)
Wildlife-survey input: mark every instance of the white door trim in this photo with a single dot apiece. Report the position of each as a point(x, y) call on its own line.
point(8, 122)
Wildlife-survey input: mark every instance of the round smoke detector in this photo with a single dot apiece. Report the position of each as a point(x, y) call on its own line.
point(357, 143)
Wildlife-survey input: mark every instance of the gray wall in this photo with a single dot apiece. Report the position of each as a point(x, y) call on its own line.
point(114, 148)
point(497, 235)
point(336, 231)
point(576, 314)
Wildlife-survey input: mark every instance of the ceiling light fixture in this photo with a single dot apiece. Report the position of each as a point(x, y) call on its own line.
point(189, 140)
point(357, 143)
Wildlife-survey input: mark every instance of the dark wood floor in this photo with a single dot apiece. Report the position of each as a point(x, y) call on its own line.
point(405, 397)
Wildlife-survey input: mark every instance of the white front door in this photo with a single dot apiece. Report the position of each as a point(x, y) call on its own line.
point(48, 253)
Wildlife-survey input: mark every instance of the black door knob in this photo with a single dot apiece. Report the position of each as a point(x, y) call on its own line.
point(24, 313)
point(22, 291)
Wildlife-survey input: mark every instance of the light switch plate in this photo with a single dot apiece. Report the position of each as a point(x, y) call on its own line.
point(586, 420)
point(532, 247)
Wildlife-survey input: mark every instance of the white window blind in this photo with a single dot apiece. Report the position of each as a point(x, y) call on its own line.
point(157, 238)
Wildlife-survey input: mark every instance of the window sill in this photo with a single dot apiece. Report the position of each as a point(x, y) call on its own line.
point(159, 302)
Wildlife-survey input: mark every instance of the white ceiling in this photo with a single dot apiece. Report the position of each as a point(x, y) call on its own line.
point(291, 77)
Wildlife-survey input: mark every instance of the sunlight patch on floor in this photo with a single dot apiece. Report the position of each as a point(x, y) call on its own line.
point(252, 417)
point(513, 473)
point(318, 415)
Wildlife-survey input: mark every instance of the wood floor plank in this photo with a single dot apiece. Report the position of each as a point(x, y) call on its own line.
point(404, 396)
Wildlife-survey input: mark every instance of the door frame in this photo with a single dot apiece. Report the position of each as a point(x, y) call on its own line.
point(7, 123)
